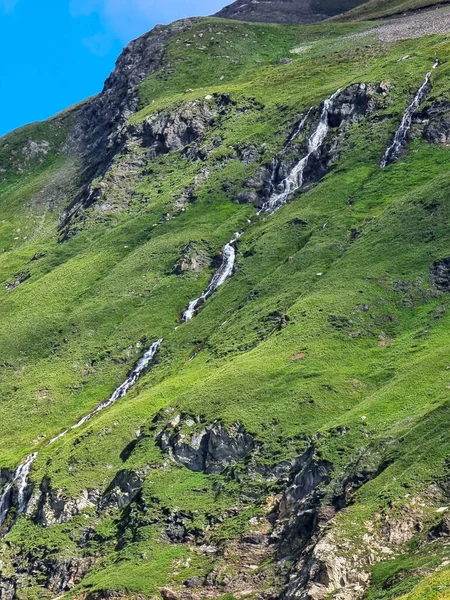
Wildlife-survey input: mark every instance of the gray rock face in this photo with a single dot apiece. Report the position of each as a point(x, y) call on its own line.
point(440, 274)
point(170, 132)
point(347, 108)
point(50, 507)
point(437, 127)
point(210, 449)
point(286, 11)
point(164, 132)
point(100, 120)
point(36, 149)
point(300, 504)
point(100, 128)
point(122, 490)
point(56, 575)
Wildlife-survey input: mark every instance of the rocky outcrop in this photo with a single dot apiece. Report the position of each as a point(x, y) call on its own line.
point(344, 109)
point(172, 131)
point(440, 274)
point(18, 279)
point(304, 529)
point(286, 11)
point(36, 149)
point(205, 448)
point(122, 490)
point(56, 574)
point(160, 133)
point(100, 128)
point(297, 513)
point(100, 122)
point(191, 260)
point(50, 507)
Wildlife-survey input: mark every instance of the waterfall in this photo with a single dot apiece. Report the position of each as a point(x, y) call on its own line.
point(21, 481)
point(400, 136)
point(120, 392)
point(294, 180)
point(21, 476)
point(219, 277)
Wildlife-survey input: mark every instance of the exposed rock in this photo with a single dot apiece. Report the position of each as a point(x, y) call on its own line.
point(210, 448)
point(191, 260)
point(38, 256)
point(64, 574)
point(19, 278)
point(101, 124)
point(286, 11)
point(52, 506)
point(299, 506)
point(101, 120)
point(36, 149)
point(57, 575)
point(440, 274)
point(160, 133)
point(437, 131)
point(325, 565)
point(122, 490)
point(349, 106)
point(173, 131)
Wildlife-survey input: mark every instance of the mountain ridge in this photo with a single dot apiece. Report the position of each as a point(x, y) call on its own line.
point(285, 11)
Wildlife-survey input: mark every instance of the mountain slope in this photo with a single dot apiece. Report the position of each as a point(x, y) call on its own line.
point(286, 11)
point(291, 438)
point(377, 9)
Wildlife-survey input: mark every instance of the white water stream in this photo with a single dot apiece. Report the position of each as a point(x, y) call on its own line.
point(294, 180)
point(21, 481)
point(21, 476)
point(219, 277)
point(400, 136)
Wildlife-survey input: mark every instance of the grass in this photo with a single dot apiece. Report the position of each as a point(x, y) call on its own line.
point(72, 331)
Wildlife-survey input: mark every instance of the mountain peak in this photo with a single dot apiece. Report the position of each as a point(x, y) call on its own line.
point(286, 11)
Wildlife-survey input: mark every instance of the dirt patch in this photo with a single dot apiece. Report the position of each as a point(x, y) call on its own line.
point(431, 22)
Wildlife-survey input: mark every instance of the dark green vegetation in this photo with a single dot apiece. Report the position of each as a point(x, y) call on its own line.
point(330, 329)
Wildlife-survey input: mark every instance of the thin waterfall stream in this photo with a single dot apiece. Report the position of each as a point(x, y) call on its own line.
point(21, 476)
point(392, 153)
point(220, 276)
point(294, 181)
point(21, 479)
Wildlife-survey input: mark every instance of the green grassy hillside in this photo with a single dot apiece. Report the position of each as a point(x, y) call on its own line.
point(329, 330)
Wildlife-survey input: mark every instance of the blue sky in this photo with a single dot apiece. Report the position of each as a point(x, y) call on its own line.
point(55, 53)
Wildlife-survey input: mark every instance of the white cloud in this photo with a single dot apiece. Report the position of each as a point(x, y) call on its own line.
point(99, 44)
point(7, 6)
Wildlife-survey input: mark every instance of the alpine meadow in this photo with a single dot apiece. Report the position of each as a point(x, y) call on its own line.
point(225, 315)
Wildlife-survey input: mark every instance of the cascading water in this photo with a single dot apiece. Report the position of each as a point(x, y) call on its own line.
point(21, 476)
point(294, 180)
point(21, 481)
point(400, 136)
point(120, 392)
point(220, 276)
